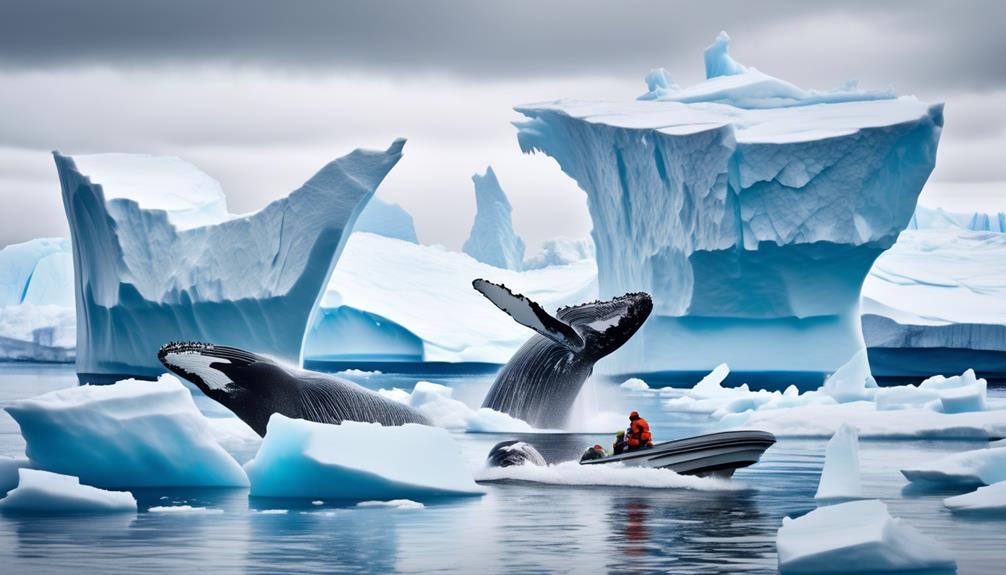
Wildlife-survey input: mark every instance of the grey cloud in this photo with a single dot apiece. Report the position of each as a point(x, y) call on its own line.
point(953, 44)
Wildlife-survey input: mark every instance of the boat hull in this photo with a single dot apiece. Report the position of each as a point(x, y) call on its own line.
point(718, 454)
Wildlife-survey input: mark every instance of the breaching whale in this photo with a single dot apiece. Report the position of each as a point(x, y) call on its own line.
point(254, 387)
point(544, 376)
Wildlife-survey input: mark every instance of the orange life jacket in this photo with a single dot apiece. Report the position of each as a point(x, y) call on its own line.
point(639, 434)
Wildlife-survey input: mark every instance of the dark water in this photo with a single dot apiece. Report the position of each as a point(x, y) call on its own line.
point(514, 528)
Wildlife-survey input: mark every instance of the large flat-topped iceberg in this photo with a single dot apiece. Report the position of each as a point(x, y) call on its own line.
point(749, 208)
point(158, 258)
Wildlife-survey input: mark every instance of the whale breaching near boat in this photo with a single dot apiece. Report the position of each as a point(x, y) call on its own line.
point(254, 387)
point(544, 376)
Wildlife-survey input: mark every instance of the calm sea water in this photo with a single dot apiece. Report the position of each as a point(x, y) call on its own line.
point(514, 528)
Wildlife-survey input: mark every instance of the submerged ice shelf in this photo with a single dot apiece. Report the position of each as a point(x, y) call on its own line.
point(749, 208)
point(158, 257)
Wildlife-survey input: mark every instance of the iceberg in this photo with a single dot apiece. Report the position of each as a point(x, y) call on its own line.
point(358, 461)
point(158, 257)
point(852, 381)
point(130, 434)
point(971, 468)
point(936, 303)
point(987, 499)
point(857, 537)
point(560, 251)
point(749, 208)
point(840, 476)
point(937, 218)
point(45, 492)
point(394, 504)
point(388, 220)
point(392, 300)
point(492, 239)
point(36, 301)
point(9, 467)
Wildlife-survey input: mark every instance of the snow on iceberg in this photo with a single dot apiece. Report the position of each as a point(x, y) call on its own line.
point(852, 381)
point(561, 251)
point(44, 492)
point(388, 220)
point(492, 239)
point(987, 499)
point(418, 300)
point(975, 467)
point(774, 199)
point(840, 476)
point(936, 303)
point(358, 461)
point(130, 434)
point(158, 258)
point(857, 537)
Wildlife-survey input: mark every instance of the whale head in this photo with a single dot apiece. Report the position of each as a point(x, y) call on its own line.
point(606, 325)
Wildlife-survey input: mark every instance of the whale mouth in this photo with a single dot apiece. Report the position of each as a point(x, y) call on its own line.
point(204, 364)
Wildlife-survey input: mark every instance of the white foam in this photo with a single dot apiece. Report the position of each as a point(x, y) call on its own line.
point(612, 475)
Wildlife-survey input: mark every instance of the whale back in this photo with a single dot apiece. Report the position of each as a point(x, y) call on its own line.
point(328, 399)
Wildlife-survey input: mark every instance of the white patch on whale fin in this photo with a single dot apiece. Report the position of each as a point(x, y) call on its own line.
point(199, 365)
point(530, 314)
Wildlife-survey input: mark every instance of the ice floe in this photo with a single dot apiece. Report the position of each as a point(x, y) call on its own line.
point(975, 467)
point(393, 503)
point(840, 477)
point(987, 499)
point(51, 493)
point(358, 461)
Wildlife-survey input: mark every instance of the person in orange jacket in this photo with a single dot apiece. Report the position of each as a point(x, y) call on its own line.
point(638, 436)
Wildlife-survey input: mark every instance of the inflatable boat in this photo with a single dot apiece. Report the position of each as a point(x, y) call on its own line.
point(718, 454)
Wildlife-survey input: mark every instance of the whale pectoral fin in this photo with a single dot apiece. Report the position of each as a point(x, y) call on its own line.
point(530, 314)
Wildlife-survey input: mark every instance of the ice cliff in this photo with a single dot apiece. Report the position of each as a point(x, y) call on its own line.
point(158, 257)
point(36, 301)
point(936, 303)
point(751, 209)
point(388, 220)
point(492, 239)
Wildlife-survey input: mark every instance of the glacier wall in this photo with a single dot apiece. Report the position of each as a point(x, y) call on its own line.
point(492, 239)
point(750, 209)
point(158, 258)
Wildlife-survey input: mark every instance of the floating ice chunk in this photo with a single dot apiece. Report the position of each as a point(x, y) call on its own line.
point(273, 512)
point(435, 401)
point(965, 399)
point(711, 384)
point(856, 537)
point(130, 434)
point(852, 381)
point(358, 373)
point(612, 474)
point(357, 461)
point(718, 60)
point(44, 492)
point(977, 467)
point(634, 384)
point(185, 509)
point(9, 472)
point(388, 220)
point(990, 498)
point(395, 503)
point(840, 477)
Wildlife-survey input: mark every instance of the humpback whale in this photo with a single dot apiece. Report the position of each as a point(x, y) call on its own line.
point(544, 376)
point(254, 387)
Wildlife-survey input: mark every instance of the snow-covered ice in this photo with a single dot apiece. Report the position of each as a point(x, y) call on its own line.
point(358, 461)
point(130, 434)
point(393, 503)
point(857, 537)
point(840, 476)
point(986, 499)
point(975, 467)
point(158, 257)
point(185, 509)
point(775, 200)
point(634, 384)
point(561, 251)
point(492, 239)
point(437, 403)
point(44, 492)
point(419, 301)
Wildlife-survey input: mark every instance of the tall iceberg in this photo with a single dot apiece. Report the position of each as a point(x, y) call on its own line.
point(492, 239)
point(751, 209)
point(388, 220)
point(157, 257)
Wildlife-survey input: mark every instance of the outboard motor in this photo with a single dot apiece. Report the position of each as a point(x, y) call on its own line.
point(514, 452)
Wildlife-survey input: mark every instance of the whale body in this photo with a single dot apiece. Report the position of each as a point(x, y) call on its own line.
point(544, 376)
point(254, 387)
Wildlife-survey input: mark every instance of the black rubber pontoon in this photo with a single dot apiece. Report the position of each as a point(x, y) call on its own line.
point(718, 454)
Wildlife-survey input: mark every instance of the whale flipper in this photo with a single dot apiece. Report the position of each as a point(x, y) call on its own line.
point(530, 314)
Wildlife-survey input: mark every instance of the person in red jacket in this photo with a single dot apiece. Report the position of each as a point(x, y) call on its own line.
point(638, 436)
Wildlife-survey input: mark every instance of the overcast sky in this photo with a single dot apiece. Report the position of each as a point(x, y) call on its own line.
point(261, 94)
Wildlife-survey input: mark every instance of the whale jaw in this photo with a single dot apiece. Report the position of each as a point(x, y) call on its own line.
point(203, 364)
